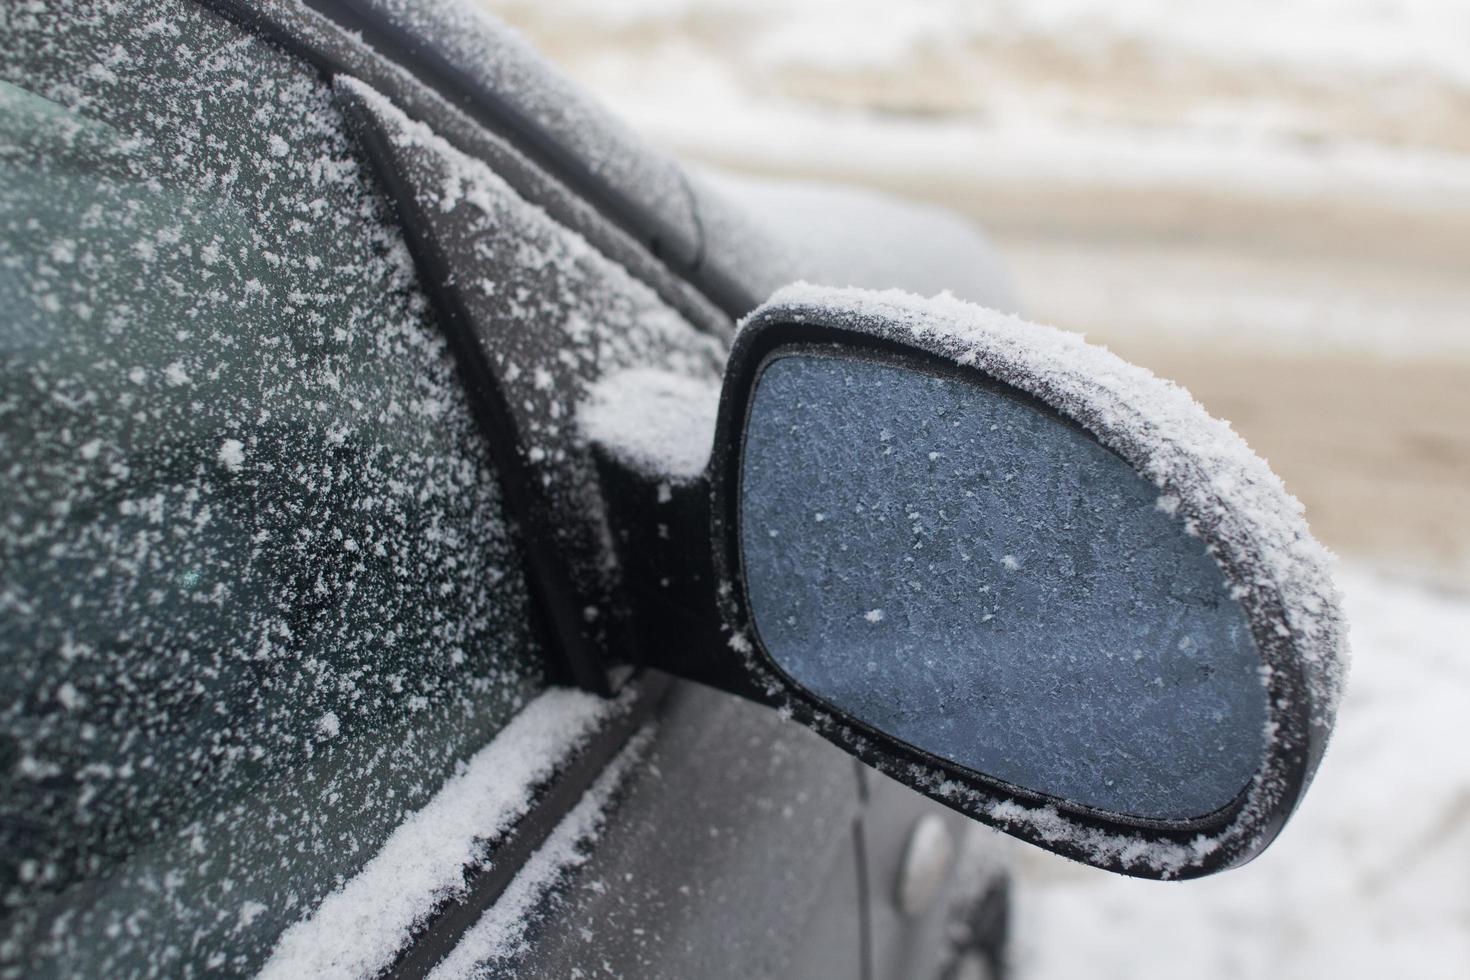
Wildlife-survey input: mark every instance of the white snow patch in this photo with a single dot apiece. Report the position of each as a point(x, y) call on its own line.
point(329, 725)
point(658, 421)
point(359, 928)
point(231, 454)
point(249, 912)
point(1327, 36)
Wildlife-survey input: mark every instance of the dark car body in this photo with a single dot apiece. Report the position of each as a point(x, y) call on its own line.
point(272, 575)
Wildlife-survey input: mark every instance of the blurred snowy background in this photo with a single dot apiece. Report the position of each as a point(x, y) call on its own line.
point(1267, 200)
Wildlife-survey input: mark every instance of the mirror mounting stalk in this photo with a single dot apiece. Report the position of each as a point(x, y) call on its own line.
point(1172, 635)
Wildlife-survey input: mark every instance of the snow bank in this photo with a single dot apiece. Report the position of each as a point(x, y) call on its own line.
point(1325, 35)
point(1303, 97)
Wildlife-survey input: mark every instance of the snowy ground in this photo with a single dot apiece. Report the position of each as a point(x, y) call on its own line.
point(1287, 97)
point(1264, 144)
point(1266, 199)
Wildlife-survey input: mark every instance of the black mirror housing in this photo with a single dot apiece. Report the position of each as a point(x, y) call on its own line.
point(681, 545)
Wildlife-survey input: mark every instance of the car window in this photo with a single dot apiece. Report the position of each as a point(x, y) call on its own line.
point(259, 597)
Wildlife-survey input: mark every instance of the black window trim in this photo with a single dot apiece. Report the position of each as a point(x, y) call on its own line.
point(554, 799)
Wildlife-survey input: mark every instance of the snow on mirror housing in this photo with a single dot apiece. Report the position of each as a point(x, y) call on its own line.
point(1024, 577)
point(1012, 571)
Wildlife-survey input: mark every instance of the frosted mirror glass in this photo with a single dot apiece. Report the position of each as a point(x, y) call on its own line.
point(965, 571)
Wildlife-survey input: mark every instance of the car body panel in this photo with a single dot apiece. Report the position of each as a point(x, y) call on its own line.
point(729, 854)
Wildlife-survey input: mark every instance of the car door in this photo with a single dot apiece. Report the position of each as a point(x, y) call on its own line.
point(266, 612)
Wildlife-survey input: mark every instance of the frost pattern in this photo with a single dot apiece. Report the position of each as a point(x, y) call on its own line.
point(259, 597)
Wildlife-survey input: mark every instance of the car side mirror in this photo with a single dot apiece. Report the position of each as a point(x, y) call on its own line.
point(1002, 566)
